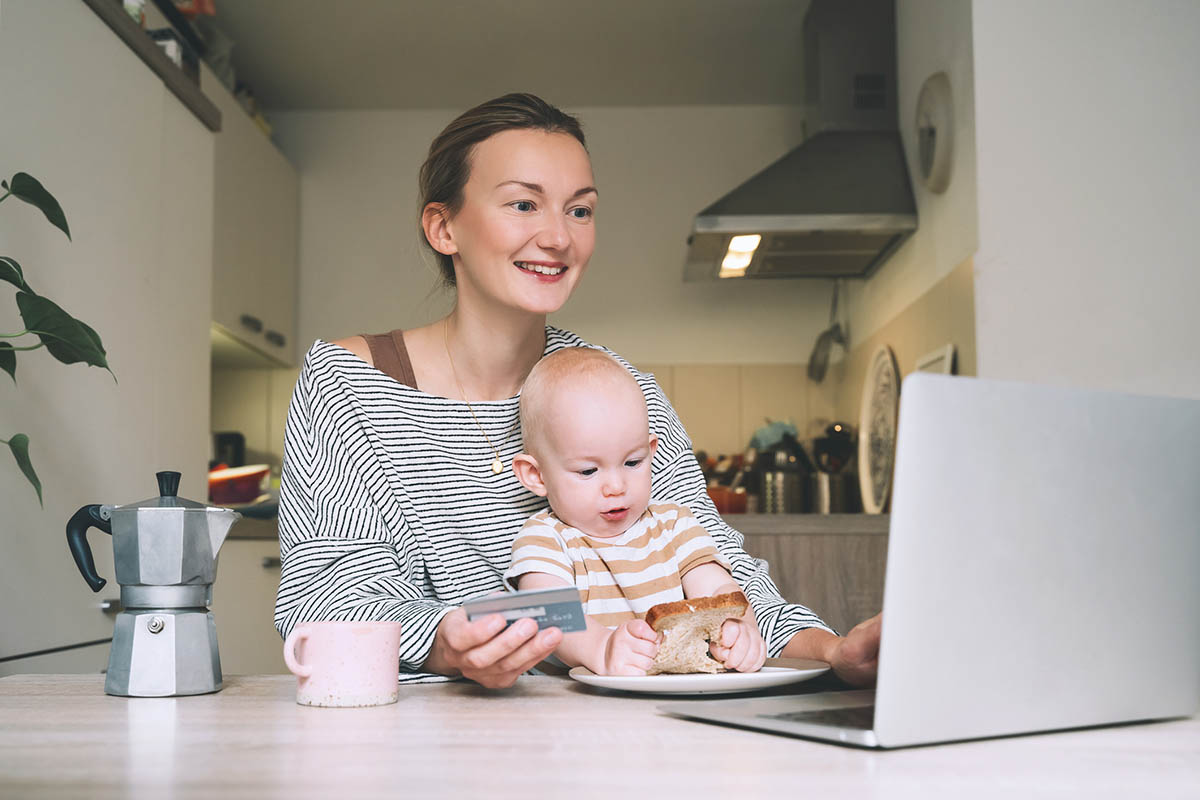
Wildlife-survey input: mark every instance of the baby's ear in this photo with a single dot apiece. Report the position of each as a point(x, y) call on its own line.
point(529, 474)
point(653, 446)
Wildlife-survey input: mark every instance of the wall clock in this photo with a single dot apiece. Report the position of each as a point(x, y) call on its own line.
point(935, 132)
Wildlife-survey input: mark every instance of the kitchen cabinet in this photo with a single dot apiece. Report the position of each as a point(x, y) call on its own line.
point(132, 168)
point(244, 606)
point(833, 563)
point(256, 215)
point(91, 660)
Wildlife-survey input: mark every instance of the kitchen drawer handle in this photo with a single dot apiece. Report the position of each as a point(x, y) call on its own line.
point(271, 562)
point(110, 605)
point(251, 322)
point(276, 338)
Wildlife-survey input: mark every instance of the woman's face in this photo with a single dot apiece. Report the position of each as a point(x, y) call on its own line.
point(525, 231)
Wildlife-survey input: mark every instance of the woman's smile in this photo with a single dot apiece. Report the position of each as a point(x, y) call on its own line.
point(545, 271)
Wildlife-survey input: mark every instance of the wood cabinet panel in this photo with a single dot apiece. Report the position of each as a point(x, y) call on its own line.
point(839, 576)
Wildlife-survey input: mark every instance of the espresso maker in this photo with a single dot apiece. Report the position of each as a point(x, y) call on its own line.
point(165, 554)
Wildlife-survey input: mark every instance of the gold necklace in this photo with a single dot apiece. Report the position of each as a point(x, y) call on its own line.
point(497, 464)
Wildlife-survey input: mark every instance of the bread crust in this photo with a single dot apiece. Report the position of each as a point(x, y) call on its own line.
point(657, 614)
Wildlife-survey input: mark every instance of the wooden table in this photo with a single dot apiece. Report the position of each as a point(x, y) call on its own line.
point(61, 736)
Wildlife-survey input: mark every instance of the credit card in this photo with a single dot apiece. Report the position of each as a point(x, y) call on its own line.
point(550, 608)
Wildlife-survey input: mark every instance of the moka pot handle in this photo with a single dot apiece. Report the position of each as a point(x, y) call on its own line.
point(81, 551)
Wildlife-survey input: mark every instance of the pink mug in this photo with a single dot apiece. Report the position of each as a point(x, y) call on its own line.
point(342, 664)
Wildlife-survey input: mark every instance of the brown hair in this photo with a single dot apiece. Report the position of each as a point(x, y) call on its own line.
point(448, 165)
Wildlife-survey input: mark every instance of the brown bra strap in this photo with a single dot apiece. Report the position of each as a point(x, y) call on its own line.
point(390, 356)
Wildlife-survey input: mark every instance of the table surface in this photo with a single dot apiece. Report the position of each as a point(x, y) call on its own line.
point(61, 736)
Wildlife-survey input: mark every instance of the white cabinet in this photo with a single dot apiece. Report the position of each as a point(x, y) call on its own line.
point(91, 660)
point(132, 169)
point(256, 212)
point(244, 606)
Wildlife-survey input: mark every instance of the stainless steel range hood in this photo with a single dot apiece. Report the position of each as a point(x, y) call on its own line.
point(839, 204)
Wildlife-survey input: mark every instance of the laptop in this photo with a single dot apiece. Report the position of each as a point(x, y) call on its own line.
point(1042, 572)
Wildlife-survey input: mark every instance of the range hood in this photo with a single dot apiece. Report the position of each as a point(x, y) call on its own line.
point(839, 204)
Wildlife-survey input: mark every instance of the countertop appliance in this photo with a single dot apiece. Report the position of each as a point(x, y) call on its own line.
point(841, 203)
point(165, 555)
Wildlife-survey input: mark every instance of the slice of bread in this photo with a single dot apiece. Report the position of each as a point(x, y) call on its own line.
point(687, 627)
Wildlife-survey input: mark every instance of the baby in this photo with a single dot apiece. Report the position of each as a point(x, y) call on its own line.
point(588, 450)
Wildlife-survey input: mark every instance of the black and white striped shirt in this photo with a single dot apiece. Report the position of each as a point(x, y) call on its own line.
point(389, 509)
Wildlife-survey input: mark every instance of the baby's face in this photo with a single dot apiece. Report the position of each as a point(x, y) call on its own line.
point(595, 456)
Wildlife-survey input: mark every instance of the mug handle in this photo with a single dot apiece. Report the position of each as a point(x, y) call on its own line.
point(289, 653)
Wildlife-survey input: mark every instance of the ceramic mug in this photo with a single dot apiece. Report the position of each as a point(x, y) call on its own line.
point(343, 664)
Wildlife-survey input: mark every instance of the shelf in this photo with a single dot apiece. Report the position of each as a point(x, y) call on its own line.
point(113, 15)
point(808, 524)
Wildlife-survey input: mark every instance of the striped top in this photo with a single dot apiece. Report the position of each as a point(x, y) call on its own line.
point(619, 578)
point(389, 509)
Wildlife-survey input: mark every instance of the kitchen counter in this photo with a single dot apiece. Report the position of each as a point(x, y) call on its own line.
point(749, 524)
point(251, 528)
point(808, 524)
point(61, 736)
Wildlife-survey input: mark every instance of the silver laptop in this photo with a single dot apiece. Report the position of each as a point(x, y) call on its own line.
point(1042, 573)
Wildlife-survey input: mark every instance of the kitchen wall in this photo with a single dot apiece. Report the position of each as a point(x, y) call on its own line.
point(931, 36)
point(362, 270)
point(254, 402)
point(943, 315)
point(744, 343)
point(1087, 271)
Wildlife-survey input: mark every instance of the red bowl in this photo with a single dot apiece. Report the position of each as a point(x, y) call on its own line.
point(236, 484)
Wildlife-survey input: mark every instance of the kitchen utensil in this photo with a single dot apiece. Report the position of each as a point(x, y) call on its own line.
point(783, 486)
point(834, 450)
point(165, 555)
point(818, 362)
point(831, 493)
point(728, 499)
point(229, 448)
point(236, 484)
point(344, 664)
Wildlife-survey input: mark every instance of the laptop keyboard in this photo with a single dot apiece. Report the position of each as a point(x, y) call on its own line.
point(858, 717)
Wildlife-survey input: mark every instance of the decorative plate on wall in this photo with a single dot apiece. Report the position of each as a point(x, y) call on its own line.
point(877, 430)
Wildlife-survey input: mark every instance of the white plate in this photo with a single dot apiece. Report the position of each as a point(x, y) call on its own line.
point(703, 683)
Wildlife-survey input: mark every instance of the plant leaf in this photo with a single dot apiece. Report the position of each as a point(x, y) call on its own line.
point(26, 187)
point(10, 271)
point(8, 360)
point(67, 339)
point(19, 444)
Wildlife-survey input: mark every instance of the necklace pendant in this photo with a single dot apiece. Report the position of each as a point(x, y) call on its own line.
point(497, 466)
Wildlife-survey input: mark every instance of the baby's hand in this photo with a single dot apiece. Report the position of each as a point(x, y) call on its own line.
point(630, 649)
point(741, 647)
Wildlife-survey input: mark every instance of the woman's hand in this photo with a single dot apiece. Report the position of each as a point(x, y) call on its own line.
point(630, 649)
point(485, 651)
point(741, 647)
point(855, 656)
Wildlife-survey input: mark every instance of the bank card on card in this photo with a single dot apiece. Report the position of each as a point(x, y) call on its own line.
point(550, 608)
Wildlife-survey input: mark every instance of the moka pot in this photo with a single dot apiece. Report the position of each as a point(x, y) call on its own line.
point(165, 555)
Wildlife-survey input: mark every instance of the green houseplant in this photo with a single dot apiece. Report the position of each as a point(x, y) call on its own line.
point(63, 336)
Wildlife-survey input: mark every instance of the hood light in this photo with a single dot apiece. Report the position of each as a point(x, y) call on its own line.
point(738, 257)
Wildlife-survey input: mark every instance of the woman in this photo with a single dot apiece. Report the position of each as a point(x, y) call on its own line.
point(398, 500)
